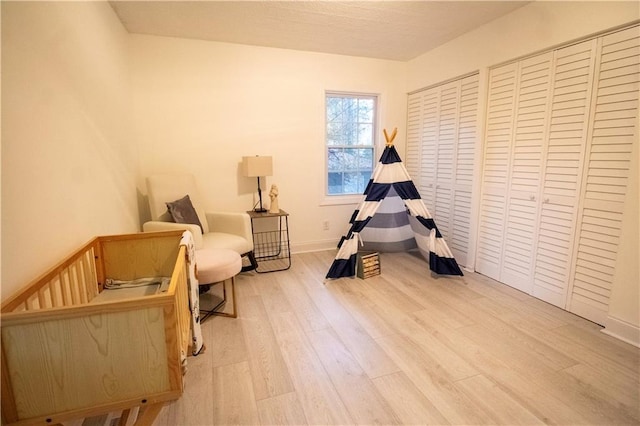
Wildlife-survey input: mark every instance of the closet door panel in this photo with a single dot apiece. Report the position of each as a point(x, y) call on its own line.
point(467, 132)
point(499, 129)
point(447, 133)
point(442, 210)
point(489, 255)
point(517, 268)
point(442, 137)
point(446, 157)
point(459, 241)
point(464, 167)
point(530, 128)
point(553, 252)
point(502, 83)
point(562, 170)
point(414, 129)
point(613, 131)
point(595, 262)
point(429, 153)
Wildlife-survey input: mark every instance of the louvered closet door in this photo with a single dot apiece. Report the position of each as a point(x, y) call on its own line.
point(414, 129)
point(429, 147)
point(528, 140)
point(445, 161)
point(562, 170)
point(499, 129)
point(612, 132)
point(448, 118)
point(457, 127)
point(459, 241)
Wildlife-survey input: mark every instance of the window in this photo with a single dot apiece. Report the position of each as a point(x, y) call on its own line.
point(350, 138)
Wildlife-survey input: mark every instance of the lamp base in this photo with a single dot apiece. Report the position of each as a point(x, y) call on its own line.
point(259, 210)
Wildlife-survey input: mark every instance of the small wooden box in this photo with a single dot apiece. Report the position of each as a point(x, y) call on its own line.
point(368, 264)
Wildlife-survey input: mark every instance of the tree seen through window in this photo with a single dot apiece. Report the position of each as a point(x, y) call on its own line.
point(350, 142)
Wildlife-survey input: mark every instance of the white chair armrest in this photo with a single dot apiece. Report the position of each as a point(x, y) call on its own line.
point(231, 223)
point(156, 226)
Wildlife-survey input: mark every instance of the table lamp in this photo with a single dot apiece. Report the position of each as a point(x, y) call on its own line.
point(256, 167)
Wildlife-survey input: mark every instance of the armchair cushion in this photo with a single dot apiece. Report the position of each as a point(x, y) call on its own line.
point(217, 230)
point(182, 211)
point(223, 240)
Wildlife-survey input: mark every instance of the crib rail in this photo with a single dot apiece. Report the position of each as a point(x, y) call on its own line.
point(71, 282)
point(179, 280)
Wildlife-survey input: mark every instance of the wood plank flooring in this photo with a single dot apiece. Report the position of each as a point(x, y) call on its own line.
point(404, 347)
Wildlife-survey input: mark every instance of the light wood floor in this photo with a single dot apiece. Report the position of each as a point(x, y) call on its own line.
point(402, 348)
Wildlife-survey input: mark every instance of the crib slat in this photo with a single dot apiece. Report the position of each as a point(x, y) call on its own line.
point(75, 297)
point(41, 299)
point(31, 303)
point(82, 281)
point(89, 274)
point(66, 297)
point(79, 281)
point(66, 291)
point(73, 283)
point(55, 293)
point(45, 298)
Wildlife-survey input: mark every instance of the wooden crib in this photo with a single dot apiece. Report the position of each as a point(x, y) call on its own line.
point(68, 354)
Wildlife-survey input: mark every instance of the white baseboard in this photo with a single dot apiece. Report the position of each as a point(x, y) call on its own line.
point(310, 246)
point(623, 330)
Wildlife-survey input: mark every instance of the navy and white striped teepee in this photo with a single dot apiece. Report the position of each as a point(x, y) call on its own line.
point(392, 217)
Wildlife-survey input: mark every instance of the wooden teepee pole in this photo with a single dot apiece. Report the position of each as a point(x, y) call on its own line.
point(390, 138)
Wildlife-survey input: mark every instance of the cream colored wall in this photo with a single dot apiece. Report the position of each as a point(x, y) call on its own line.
point(201, 106)
point(535, 27)
point(68, 162)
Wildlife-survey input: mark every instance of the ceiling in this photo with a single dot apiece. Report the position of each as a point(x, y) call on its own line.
point(395, 30)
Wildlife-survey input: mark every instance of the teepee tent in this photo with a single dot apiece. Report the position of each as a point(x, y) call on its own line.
point(392, 217)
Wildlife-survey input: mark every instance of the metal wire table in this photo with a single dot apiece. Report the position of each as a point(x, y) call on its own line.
point(271, 240)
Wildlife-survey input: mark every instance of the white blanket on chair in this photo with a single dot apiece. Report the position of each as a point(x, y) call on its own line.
point(194, 300)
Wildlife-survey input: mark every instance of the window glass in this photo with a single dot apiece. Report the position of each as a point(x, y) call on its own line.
point(350, 140)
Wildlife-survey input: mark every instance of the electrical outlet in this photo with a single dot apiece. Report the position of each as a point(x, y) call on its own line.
point(325, 225)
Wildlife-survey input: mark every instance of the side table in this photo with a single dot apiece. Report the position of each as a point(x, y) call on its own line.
point(271, 240)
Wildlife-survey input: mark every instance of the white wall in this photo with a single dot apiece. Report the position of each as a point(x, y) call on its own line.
point(201, 106)
point(68, 162)
point(532, 28)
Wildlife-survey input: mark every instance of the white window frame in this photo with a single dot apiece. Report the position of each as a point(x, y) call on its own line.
point(340, 199)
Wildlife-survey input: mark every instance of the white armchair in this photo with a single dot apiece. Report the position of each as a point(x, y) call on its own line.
point(219, 230)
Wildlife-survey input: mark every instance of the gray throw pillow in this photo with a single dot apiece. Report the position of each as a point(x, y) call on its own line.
point(182, 211)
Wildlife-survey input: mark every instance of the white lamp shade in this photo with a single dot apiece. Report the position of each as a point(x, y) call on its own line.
point(257, 166)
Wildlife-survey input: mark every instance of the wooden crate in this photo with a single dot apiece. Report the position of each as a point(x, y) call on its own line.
point(368, 264)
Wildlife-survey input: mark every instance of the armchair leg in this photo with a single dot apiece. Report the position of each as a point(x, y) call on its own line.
point(252, 260)
point(214, 310)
